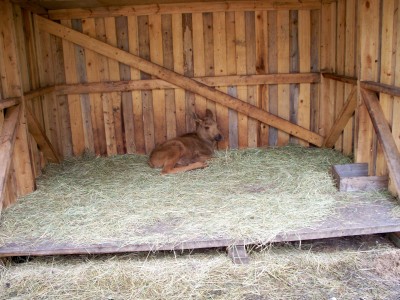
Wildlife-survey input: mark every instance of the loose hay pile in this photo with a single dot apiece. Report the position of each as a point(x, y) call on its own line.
point(243, 194)
point(281, 272)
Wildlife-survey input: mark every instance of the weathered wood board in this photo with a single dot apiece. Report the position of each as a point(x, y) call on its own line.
point(355, 218)
point(354, 177)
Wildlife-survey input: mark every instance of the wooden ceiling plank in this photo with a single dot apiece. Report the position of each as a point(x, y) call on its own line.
point(187, 7)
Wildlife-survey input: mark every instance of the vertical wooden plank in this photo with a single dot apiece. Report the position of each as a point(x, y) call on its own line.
point(294, 67)
point(283, 67)
point(198, 58)
point(138, 115)
point(209, 50)
point(369, 11)
point(125, 74)
point(187, 29)
point(80, 66)
point(304, 100)
point(396, 100)
point(328, 47)
point(93, 75)
point(231, 70)
point(46, 76)
point(340, 61)
point(114, 114)
point(168, 58)
point(33, 69)
point(62, 100)
point(180, 103)
point(20, 43)
point(220, 69)
point(350, 68)
point(273, 68)
point(252, 98)
point(106, 105)
point(241, 69)
point(262, 68)
point(315, 67)
point(157, 56)
point(144, 52)
point(386, 73)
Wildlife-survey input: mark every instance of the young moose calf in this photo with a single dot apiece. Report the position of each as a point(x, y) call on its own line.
point(189, 151)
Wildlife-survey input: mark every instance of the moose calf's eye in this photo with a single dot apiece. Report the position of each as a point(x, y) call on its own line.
point(206, 127)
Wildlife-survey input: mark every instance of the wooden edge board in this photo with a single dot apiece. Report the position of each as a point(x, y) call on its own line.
point(384, 135)
point(170, 8)
point(7, 142)
point(9, 102)
point(179, 80)
point(381, 88)
point(40, 137)
point(343, 118)
point(33, 249)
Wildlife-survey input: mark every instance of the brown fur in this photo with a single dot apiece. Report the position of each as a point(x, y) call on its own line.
point(190, 151)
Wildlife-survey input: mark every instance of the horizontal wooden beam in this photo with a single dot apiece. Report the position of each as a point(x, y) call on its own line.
point(40, 137)
point(381, 88)
point(171, 8)
point(178, 80)
point(151, 84)
point(39, 92)
point(6, 103)
point(384, 135)
point(7, 141)
point(343, 118)
point(345, 79)
point(31, 5)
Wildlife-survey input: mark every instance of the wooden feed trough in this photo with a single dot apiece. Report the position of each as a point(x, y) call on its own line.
point(112, 80)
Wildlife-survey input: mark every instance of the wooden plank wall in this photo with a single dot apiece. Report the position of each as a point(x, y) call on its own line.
point(17, 177)
point(338, 55)
point(360, 39)
point(194, 44)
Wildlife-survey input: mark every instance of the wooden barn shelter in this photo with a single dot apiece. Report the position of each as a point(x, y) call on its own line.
point(90, 77)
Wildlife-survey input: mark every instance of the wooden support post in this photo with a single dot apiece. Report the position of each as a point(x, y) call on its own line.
point(40, 137)
point(238, 254)
point(11, 83)
point(384, 135)
point(343, 117)
point(7, 142)
point(178, 79)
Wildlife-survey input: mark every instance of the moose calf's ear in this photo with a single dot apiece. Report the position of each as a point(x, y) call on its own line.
point(209, 114)
point(196, 118)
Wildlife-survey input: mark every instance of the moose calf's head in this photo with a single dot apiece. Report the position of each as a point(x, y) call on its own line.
point(207, 128)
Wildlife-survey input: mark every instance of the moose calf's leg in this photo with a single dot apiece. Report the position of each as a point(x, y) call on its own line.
point(193, 166)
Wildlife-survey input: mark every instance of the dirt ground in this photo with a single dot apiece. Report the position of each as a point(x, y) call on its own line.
point(359, 268)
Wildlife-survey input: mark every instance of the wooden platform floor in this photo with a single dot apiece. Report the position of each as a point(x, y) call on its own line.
point(356, 218)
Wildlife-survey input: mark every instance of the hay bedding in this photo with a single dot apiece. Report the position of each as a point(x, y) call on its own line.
point(280, 272)
point(243, 194)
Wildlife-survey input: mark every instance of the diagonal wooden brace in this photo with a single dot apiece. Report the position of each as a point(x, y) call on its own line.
point(178, 80)
point(7, 142)
point(384, 135)
point(40, 137)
